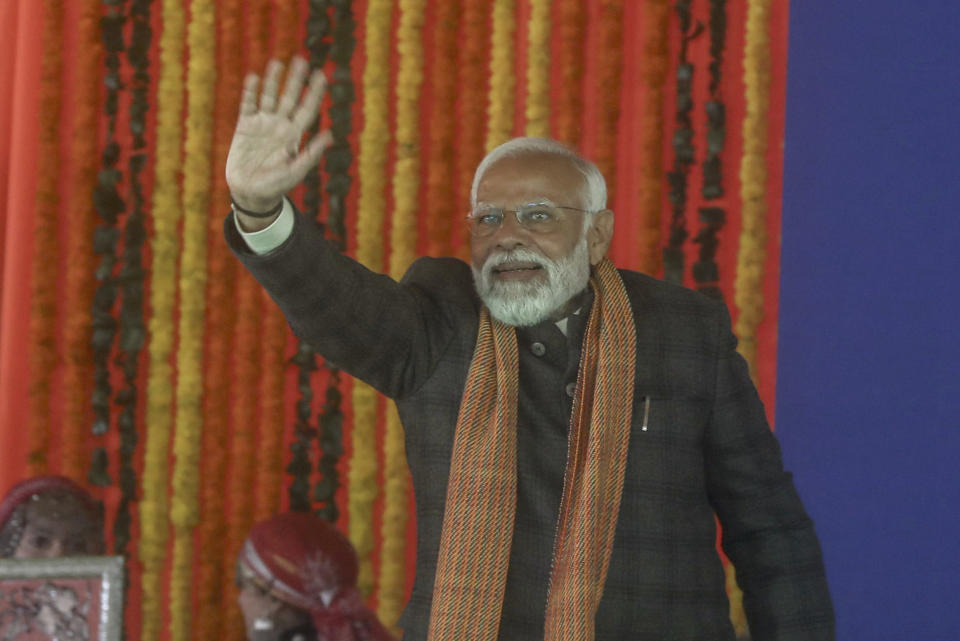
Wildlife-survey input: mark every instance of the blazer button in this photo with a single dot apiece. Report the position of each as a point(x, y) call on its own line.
point(538, 349)
point(571, 389)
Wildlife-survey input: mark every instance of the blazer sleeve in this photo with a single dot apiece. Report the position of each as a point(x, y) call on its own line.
point(386, 333)
point(766, 531)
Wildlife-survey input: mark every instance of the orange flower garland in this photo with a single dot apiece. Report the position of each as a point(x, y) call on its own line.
point(80, 264)
point(656, 64)
point(246, 356)
point(43, 297)
point(270, 431)
point(154, 504)
point(608, 72)
point(568, 58)
point(440, 196)
point(472, 77)
point(212, 576)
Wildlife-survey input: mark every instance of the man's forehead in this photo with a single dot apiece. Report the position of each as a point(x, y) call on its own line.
point(530, 178)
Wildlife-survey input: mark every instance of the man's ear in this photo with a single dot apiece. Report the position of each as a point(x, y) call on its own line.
point(599, 235)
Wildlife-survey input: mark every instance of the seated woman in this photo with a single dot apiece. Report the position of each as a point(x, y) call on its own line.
point(50, 516)
point(297, 577)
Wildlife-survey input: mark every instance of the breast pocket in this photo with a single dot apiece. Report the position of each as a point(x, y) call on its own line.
point(666, 444)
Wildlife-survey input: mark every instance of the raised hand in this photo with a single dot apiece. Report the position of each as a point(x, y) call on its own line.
point(266, 159)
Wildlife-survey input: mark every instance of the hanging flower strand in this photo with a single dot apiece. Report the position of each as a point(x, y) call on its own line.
point(80, 263)
point(214, 572)
point(403, 251)
point(537, 111)
point(683, 150)
point(43, 297)
point(337, 162)
point(502, 83)
point(608, 89)
point(165, 246)
point(362, 487)
point(569, 59)
point(748, 288)
point(132, 327)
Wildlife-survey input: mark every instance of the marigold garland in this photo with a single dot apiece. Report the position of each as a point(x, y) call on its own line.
point(568, 58)
point(78, 295)
point(214, 571)
point(255, 31)
point(201, 80)
point(748, 286)
point(165, 246)
point(403, 251)
point(270, 430)
point(608, 89)
point(471, 96)
point(502, 84)
point(440, 197)
point(43, 297)
point(362, 487)
point(656, 64)
point(537, 111)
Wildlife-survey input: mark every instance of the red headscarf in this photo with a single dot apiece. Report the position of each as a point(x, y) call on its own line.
point(306, 562)
point(23, 490)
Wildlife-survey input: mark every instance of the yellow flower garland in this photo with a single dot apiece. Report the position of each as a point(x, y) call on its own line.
point(656, 63)
point(43, 296)
point(538, 70)
point(403, 251)
point(748, 286)
point(201, 81)
point(362, 477)
point(166, 214)
point(80, 265)
point(502, 87)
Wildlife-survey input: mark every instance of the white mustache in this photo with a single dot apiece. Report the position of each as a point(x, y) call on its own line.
point(519, 255)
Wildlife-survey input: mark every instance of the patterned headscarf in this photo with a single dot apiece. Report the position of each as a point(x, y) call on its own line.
point(13, 508)
point(304, 561)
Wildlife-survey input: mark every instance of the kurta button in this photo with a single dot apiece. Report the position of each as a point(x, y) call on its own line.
point(538, 349)
point(571, 389)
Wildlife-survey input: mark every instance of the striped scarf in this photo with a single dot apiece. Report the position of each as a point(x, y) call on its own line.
point(482, 489)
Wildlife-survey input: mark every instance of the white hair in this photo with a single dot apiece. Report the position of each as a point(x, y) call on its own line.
point(594, 189)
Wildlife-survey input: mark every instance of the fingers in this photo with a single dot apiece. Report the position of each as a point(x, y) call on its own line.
point(307, 112)
point(271, 84)
point(248, 99)
point(293, 87)
point(310, 156)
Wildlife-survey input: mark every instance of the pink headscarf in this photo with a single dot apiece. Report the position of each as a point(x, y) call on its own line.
point(23, 490)
point(306, 562)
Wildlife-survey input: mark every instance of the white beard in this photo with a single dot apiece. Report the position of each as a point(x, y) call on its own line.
point(526, 303)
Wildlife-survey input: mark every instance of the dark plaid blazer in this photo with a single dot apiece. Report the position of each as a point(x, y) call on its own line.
point(707, 449)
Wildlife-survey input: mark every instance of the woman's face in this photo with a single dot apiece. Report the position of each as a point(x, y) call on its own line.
point(58, 526)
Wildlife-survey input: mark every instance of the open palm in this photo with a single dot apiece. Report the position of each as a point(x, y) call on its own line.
point(266, 159)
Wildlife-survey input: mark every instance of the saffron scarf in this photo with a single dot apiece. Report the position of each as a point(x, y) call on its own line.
point(481, 494)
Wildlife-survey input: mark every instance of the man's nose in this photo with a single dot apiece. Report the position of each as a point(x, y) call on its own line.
point(511, 233)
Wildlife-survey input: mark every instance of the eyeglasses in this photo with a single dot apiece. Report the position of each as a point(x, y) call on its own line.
point(538, 218)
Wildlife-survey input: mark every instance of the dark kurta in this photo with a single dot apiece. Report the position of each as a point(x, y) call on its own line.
point(707, 448)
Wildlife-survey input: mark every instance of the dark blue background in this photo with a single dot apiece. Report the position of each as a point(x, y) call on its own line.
point(868, 385)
